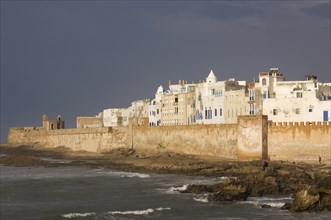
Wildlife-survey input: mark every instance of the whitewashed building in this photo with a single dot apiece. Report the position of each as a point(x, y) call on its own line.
point(116, 117)
point(290, 101)
point(220, 102)
point(154, 108)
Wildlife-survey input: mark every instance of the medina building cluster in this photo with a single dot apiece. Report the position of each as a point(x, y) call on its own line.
point(220, 102)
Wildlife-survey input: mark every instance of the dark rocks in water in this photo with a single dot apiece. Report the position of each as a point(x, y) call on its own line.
point(20, 161)
point(260, 184)
point(265, 206)
point(196, 189)
point(315, 197)
point(231, 190)
point(303, 201)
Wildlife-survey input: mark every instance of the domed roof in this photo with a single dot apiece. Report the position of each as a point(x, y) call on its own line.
point(160, 90)
point(211, 77)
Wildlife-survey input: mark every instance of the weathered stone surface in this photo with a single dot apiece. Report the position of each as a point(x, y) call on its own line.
point(23, 161)
point(303, 201)
point(231, 190)
point(264, 206)
point(316, 197)
point(196, 189)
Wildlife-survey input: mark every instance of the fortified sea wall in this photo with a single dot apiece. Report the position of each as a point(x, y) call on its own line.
point(78, 139)
point(300, 141)
point(250, 138)
point(214, 140)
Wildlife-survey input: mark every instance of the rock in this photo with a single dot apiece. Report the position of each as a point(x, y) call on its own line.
point(303, 201)
point(325, 203)
point(231, 194)
point(324, 185)
point(231, 190)
point(316, 197)
point(265, 206)
point(196, 189)
point(20, 161)
point(287, 205)
point(260, 184)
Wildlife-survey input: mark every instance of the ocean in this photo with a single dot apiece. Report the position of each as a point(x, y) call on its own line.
point(88, 193)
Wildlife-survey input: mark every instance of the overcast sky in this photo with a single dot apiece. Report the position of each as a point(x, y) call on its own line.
point(76, 58)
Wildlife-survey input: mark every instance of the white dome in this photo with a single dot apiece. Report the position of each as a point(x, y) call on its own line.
point(211, 77)
point(160, 90)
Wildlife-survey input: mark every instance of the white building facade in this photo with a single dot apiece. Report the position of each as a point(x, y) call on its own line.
point(290, 101)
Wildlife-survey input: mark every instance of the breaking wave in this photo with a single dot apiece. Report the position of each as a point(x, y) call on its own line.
point(177, 189)
point(138, 212)
point(75, 215)
point(122, 174)
point(276, 202)
point(128, 174)
point(201, 199)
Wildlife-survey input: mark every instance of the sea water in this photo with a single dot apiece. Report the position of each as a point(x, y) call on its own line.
point(86, 193)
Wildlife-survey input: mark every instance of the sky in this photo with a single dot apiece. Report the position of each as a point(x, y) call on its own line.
point(76, 58)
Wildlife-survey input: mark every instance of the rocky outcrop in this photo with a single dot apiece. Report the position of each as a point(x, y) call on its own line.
point(231, 190)
point(311, 188)
point(315, 197)
point(21, 161)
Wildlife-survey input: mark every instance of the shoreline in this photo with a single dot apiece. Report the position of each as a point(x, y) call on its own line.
point(309, 183)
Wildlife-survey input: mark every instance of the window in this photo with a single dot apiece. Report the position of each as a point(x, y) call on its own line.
point(299, 94)
point(176, 99)
point(206, 114)
point(215, 112)
point(274, 111)
point(264, 81)
point(220, 112)
point(251, 109)
point(297, 111)
point(251, 94)
point(157, 111)
point(310, 110)
point(176, 110)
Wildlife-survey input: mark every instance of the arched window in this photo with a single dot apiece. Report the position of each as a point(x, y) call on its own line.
point(264, 81)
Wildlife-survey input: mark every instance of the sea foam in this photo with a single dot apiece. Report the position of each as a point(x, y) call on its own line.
point(177, 189)
point(276, 202)
point(75, 215)
point(201, 199)
point(138, 212)
point(121, 174)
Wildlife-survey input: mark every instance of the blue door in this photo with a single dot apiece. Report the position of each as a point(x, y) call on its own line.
point(325, 115)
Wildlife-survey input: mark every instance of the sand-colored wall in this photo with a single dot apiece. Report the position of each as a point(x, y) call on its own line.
point(88, 139)
point(299, 141)
point(214, 140)
point(294, 142)
point(252, 137)
point(89, 122)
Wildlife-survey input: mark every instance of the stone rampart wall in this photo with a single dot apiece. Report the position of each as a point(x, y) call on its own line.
point(214, 140)
point(299, 141)
point(88, 139)
point(291, 141)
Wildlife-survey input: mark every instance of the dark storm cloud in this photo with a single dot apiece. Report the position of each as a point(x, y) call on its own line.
point(78, 57)
point(322, 10)
point(225, 10)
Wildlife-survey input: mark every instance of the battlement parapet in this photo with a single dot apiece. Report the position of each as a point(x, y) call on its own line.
point(300, 124)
